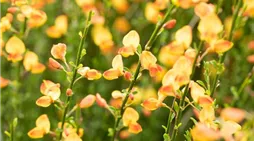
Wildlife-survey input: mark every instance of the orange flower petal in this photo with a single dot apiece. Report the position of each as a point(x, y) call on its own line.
point(150, 104)
point(117, 63)
point(154, 70)
point(58, 51)
point(93, 74)
point(36, 133)
point(38, 68)
point(196, 91)
point(30, 60)
point(233, 114)
point(184, 35)
point(101, 101)
point(147, 59)
point(126, 51)
point(130, 116)
point(44, 101)
point(73, 137)
point(112, 74)
point(203, 9)
point(222, 46)
point(3, 82)
point(53, 32)
point(15, 46)
point(135, 128)
point(54, 64)
point(201, 132)
point(87, 101)
point(61, 23)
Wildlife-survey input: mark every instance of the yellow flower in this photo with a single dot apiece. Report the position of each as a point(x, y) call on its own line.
point(42, 127)
point(116, 70)
point(15, 49)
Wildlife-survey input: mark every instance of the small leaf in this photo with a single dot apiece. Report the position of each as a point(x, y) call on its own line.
point(164, 127)
point(83, 53)
point(72, 64)
point(139, 49)
point(201, 83)
point(110, 132)
point(15, 122)
point(80, 34)
point(176, 106)
point(7, 133)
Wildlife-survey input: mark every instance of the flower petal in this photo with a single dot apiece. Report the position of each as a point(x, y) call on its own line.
point(36, 133)
point(87, 101)
point(43, 122)
point(131, 39)
point(130, 116)
point(44, 101)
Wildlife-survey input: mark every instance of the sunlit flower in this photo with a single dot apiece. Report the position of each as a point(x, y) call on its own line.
point(130, 118)
point(15, 49)
point(42, 127)
point(122, 24)
point(148, 62)
point(202, 132)
point(120, 5)
point(152, 13)
point(131, 43)
point(4, 82)
point(101, 101)
point(232, 114)
point(90, 74)
point(58, 51)
point(51, 92)
point(87, 101)
point(116, 70)
point(60, 27)
point(31, 63)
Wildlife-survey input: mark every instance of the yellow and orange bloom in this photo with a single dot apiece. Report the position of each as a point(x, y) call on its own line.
point(54, 64)
point(122, 24)
point(58, 51)
point(4, 82)
point(51, 92)
point(31, 63)
point(150, 104)
point(185, 4)
point(15, 49)
point(131, 42)
point(70, 133)
point(101, 101)
point(148, 62)
point(90, 74)
point(42, 127)
point(152, 12)
point(103, 38)
point(60, 27)
point(204, 9)
point(116, 70)
point(87, 101)
point(233, 114)
point(120, 5)
point(130, 118)
point(209, 27)
point(202, 132)
point(249, 8)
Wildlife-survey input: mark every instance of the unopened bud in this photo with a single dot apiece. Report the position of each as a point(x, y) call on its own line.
point(170, 24)
point(127, 75)
point(131, 96)
point(12, 9)
point(69, 92)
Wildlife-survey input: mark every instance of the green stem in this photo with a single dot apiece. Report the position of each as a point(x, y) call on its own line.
point(186, 91)
point(148, 46)
point(78, 57)
point(230, 38)
point(169, 118)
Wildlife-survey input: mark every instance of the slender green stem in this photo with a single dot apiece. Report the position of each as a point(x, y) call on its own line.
point(169, 117)
point(148, 46)
point(186, 91)
point(230, 38)
point(78, 58)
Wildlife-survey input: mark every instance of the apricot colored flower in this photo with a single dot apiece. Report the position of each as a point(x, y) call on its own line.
point(229, 128)
point(51, 92)
point(31, 63)
point(130, 118)
point(101, 101)
point(59, 28)
point(87, 101)
point(54, 64)
point(150, 104)
point(102, 38)
point(152, 12)
point(184, 35)
point(209, 27)
point(58, 51)
point(5, 24)
point(116, 70)
point(73, 137)
point(90, 74)
point(221, 46)
point(232, 114)
point(207, 115)
point(131, 42)
point(70, 133)
point(42, 127)
point(148, 62)
point(120, 5)
point(249, 8)
point(4, 82)
point(203, 9)
point(202, 132)
point(15, 49)
point(122, 24)
point(196, 91)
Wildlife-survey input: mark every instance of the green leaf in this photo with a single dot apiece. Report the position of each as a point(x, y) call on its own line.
point(234, 92)
point(201, 83)
point(164, 127)
point(72, 64)
point(176, 106)
point(7, 133)
point(139, 49)
point(83, 53)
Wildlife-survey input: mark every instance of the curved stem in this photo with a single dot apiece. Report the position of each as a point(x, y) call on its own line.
point(230, 38)
point(186, 91)
point(78, 57)
point(148, 46)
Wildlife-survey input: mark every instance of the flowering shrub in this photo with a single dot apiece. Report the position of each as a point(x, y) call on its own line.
point(127, 70)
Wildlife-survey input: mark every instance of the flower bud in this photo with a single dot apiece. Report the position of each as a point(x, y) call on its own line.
point(69, 92)
point(170, 24)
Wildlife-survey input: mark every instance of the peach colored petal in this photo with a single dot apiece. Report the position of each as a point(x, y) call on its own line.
point(43, 122)
point(44, 101)
point(87, 101)
point(36, 133)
